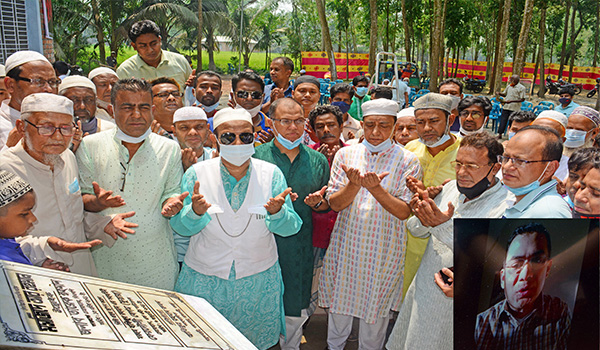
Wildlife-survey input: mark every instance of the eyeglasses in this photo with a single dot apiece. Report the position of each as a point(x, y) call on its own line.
point(39, 82)
point(124, 174)
point(457, 165)
point(288, 122)
point(85, 100)
point(167, 93)
point(49, 130)
point(536, 262)
point(256, 95)
point(519, 162)
point(474, 114)
point(227, 138)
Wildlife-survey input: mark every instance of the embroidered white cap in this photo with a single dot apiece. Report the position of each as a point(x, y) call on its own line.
point(380, 106)
point(75, 81)
point(45, 102)
point(229, 114)
point(21, 57)
point(189, 113)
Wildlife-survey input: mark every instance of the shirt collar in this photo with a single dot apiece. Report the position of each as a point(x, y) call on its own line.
point(163, 59)
point(534, 195)
point(10, 112)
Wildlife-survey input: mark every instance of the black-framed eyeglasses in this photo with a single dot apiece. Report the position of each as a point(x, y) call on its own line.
point(474, 114)
point(39, 82)
point(124, 175)
point(85, 100)
point(49, 130)
point(288, 122)
point(227, 138)
point(256, 95)
point(167, 93)
point(519, 162)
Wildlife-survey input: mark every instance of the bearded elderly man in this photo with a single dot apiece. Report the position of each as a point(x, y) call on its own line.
point(27, 72)
point(145, 170)
point(426, 318)
point(104, 78)
point(82, 92)
point(362, 270)
point(582, 128)
point(43, 160)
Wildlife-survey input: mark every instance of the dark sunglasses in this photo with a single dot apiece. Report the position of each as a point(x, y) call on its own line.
point(228, 138)
point(256, 95)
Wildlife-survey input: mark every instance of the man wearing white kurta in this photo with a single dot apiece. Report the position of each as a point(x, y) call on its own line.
point(45, 162)
point(27, 72)
point(145, 171)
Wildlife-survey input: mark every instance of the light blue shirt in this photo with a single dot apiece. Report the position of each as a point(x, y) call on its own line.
point(566, 110)
point(544, 202)
point(270, 87)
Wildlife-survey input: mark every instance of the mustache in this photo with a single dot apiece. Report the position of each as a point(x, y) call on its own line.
point(328, 135)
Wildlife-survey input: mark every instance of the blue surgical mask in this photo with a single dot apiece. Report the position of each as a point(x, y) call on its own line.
point(210, 108)
point(521, 191)
point(343, 106)
point(362, 91)
point(287, 143)
point(441, 140)
point(575, 138)
point(236, 154)
point(379, 148)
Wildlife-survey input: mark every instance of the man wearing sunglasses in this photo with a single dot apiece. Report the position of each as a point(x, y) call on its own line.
point(247, 94)
point(167, 98)
point(27, 72)
point(529, 162)
point(43, 160)
point(236, 206)
point(473, 112)
point(145, 170)
point(307, 173)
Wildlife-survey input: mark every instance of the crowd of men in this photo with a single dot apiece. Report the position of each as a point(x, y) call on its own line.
point(275, 205)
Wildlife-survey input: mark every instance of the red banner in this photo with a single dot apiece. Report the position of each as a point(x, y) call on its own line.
point(317, 64)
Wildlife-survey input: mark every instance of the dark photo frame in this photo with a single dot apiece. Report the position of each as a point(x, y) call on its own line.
point(480, 249)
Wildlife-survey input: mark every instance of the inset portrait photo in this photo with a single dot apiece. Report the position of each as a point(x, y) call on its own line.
point(526, 284)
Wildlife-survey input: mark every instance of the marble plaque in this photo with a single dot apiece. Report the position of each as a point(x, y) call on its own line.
point(49, 309)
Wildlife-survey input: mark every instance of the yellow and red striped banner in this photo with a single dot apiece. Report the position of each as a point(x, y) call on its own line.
point(317, 64)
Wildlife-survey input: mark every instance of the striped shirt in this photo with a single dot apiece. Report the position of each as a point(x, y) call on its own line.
point(547, 327)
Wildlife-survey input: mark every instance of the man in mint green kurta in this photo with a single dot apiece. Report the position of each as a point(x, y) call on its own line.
point(306, 173)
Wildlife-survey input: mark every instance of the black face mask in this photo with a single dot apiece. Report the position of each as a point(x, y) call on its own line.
point(477, 189)
point(578, 215)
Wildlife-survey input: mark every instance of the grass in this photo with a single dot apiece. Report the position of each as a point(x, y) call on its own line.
point(222, 58)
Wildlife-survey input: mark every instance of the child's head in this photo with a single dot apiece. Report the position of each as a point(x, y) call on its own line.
point(16, 202)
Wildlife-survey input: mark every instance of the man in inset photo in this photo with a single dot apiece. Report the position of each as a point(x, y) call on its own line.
point(526, 318)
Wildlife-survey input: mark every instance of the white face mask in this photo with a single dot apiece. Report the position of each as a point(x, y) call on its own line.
point(236, 154)
point(466, 133)
point(130, 139)
point(253, 111)
point(455, 101)
point(444, 138)
point(210, 108)
point(379, 148)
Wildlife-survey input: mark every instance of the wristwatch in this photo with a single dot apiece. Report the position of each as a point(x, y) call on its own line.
point(319, 204)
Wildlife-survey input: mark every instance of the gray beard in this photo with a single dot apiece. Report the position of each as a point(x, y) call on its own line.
point(48, 159)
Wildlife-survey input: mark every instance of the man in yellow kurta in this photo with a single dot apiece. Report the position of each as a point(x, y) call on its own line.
point(436, 147)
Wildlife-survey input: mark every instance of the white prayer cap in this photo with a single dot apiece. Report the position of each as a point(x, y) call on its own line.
point(380, 106)
point(45, 102)
point(12, 187)
point(75, 81)
point(189, 113)
point(229, 114)
point(101, 70)
point(2, 71)
point(407, 112)
point(21, 57)
point(556, 116)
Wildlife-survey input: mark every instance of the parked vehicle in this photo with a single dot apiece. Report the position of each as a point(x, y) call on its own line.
point(474, 85)
point(595, 89)
point(554, 87)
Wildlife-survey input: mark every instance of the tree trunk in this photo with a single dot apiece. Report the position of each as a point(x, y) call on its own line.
point(373, 36)
point(386, 44)
point(574, 35)
point(519, 60)
point(502, 46)
point(210, 44)
point(326, 38)
point(395, 32)
point(200, 29)
point(564, 40)
point(499, 22)
point(99, 30)
point(435, 38)
point(596, 36)
point(542, 89)
point(443, 31)
point(347, 54)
